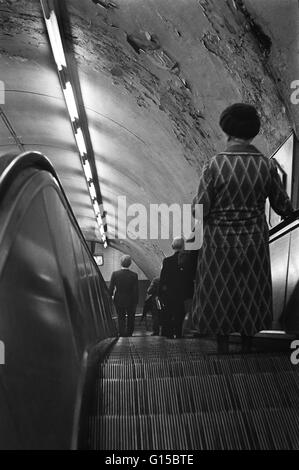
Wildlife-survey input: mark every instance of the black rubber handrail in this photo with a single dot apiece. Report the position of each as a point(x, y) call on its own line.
point(12, 164)
point(288, 221)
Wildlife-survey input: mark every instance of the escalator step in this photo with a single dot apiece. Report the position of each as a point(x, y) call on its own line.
point(160, 395)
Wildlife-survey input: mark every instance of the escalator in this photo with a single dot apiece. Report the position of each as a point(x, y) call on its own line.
point(180, 395)
point(69, 382)
point(155, 393)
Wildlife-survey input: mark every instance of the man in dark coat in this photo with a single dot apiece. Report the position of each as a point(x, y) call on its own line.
point(171, 291)
point(153, 304)
point(124, 290)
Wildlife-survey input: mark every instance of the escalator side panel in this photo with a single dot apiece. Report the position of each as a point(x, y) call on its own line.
point(41, 357)
point(45, 323)
point(279, 250)
point(81, 317)
point(291, 313)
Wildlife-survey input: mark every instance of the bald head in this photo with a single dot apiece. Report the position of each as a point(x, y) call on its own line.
point(178, 244)
point(125, 261)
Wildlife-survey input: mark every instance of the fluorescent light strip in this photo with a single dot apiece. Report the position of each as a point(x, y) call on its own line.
point(55, 40)
point(92, 191)
point(87, 170)
point(102, 230)
point(70, 101)
point(96, 207)
point(80, 142)
point(59, 57)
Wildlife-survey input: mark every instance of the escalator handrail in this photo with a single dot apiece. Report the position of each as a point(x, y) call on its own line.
point(284, 224)
point(10, 167)
point(12, 164)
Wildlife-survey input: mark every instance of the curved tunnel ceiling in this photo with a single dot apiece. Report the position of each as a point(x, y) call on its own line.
point(154, 76)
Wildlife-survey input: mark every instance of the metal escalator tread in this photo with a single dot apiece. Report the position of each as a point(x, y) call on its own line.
point(158, 394)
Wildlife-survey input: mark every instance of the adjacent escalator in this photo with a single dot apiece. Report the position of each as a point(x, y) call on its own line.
point(55, 307)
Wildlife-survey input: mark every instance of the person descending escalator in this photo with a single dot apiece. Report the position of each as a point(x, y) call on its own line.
point(233, 290)
point(154, 305)
point(171, 291)
point(123, 289)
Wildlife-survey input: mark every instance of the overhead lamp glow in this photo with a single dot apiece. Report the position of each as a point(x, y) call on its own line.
point(55, 40)
point(80, 142)
point(70, 101)
point(87, 170)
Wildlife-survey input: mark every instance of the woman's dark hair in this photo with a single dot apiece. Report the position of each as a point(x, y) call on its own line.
point(240, 120)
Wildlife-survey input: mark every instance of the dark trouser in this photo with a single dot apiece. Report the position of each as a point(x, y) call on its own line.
point(126, 320)
point(156, 320)
point(173, 318)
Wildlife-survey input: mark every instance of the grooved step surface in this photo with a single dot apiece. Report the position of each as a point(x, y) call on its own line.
point(153, 393)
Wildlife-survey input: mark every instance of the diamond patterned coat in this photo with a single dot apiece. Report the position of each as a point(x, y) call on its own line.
point(233, 289)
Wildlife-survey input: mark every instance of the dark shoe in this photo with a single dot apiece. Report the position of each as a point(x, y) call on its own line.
point(222, 344)
point(246, 344)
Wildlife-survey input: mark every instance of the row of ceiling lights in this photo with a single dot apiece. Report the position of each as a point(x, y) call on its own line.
point(59, 56)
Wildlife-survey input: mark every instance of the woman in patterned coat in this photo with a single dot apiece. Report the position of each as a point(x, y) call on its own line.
point(233, 290)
